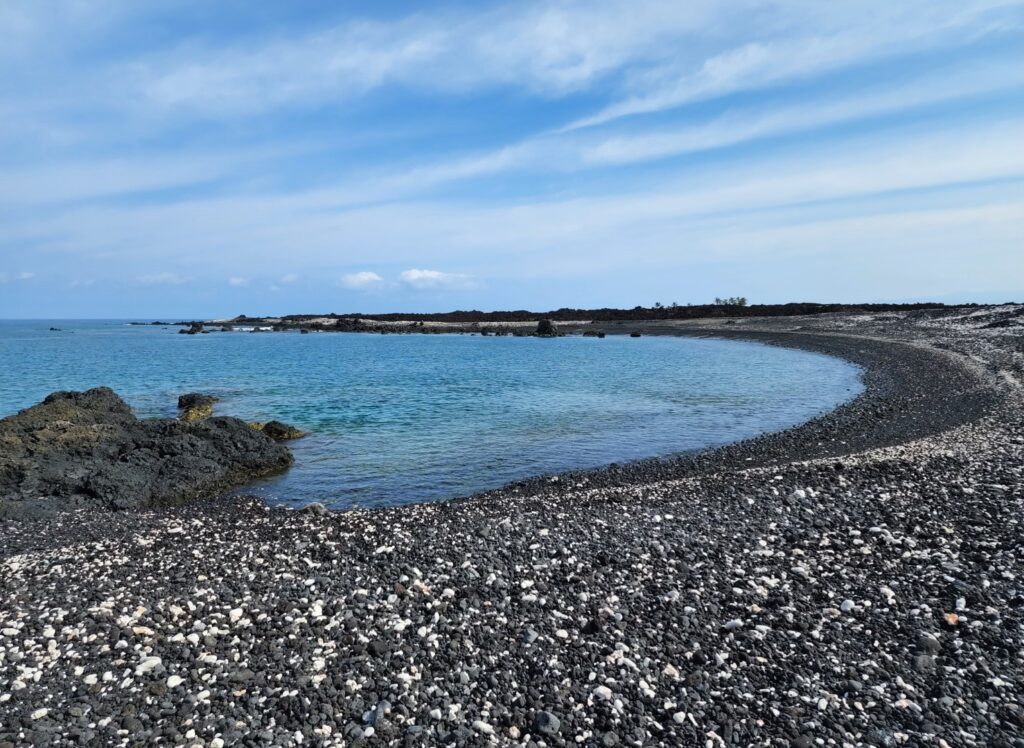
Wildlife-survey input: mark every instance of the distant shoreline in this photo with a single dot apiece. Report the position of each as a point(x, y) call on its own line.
point(523, 322)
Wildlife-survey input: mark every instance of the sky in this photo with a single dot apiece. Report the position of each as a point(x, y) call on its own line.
point(195, 159)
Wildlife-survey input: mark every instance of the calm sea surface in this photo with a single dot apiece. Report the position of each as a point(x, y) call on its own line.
point(403, 418)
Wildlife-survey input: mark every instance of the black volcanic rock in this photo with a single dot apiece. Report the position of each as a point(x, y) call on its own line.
point(88, 450)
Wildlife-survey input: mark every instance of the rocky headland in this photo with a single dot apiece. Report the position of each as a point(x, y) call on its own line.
point(857, 580)
point(87, 450)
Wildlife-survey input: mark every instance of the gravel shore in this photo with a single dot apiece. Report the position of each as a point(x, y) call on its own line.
point(853, 581)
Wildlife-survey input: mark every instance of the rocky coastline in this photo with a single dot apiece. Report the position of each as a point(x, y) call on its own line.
point(87, 450)
point(853, 581)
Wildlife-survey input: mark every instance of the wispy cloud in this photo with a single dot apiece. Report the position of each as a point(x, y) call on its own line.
point(546, 47)
point(745, 125)
point(238, 282)
point(884, 31)
point(72, 180)
point(362, 281)
point(402, 232)
point(25, 275)
point(569, 151)
point(435, 279)
point(289, 278)
point(671, 53)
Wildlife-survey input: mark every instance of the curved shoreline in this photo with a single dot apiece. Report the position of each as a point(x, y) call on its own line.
point(852, 581)
point(922, 394)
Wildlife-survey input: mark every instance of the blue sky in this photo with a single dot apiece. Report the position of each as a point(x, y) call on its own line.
point(204, 159)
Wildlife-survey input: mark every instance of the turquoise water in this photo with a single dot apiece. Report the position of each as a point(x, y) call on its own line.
point(404, 418)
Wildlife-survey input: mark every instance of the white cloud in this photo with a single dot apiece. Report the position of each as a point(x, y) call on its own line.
point(82, 283)
point(161, 279)
point(289, 278)
point(3, 277)
point(24, 276)
point(426, 279)
point(362, 280)
point(237, 282)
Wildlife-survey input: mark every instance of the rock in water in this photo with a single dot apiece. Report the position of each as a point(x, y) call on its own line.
point(195, 400)
point(278, 431)
point(195, 406)
point(88, 450)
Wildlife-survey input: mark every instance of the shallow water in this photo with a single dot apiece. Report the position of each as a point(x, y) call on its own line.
point(402, 418)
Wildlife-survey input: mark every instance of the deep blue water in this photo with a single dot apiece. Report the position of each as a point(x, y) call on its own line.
point(403, 418)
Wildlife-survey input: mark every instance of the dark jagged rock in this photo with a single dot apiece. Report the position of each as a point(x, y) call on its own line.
point(88, 450)
point(546, 329)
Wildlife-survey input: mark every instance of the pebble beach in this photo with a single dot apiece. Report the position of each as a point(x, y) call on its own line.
point(856, 580)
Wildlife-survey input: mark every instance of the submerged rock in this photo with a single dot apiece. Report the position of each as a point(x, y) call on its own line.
point(278, 431)
point(88, 450)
